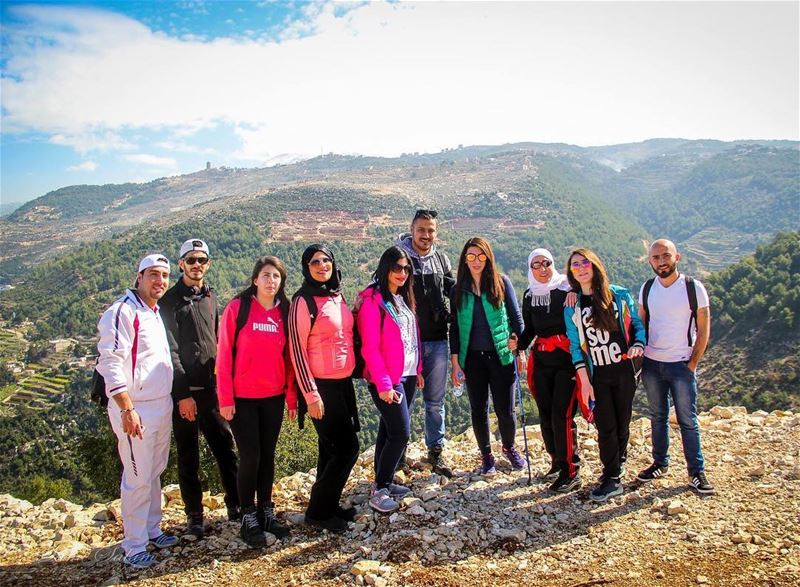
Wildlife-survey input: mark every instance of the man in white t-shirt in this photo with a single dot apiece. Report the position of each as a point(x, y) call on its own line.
point(677, 336)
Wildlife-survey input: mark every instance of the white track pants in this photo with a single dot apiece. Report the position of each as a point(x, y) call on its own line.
point(143, 461)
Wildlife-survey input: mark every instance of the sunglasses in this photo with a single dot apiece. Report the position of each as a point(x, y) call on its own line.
point(581, 264)
point(193, 260)
point(473, 257)
point(426, 213)
point(398, 268)
point(536, 265)
point(320, 261)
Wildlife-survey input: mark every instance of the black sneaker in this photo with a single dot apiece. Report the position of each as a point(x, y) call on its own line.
point(268, 522)
point(438, 462)
point(332, 524)
point(250, 530)
point(553, 472)
point(234, 515)
point(652, 472)
point(700, 483)
point(195, 526)
point(565, 483)
point(346, 514)
point(611, 487)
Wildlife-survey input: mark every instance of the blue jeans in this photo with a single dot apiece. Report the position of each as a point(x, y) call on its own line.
point(673, 381)
point(394, 430)
point(435, 358)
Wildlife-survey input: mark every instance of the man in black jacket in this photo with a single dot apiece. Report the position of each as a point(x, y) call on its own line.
point(191, 318)
point(433, 279)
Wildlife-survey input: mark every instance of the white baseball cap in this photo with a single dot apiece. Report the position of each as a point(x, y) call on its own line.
point(155, 260)
point(193, 244)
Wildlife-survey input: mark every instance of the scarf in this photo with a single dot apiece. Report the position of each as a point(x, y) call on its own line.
point(313, 287)
point(540, 292)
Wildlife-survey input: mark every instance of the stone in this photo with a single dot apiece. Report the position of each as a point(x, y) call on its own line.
point(676, 507)
point(213, 502)
point(172, 492)
point(365, 566)
point(741, 538)
point(415, 510)
point(702, 579)
point(115, 510)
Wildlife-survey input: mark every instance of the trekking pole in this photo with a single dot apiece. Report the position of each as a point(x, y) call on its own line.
point(522, 413)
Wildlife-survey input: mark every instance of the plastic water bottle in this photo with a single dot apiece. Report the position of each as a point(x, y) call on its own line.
point(458, 390)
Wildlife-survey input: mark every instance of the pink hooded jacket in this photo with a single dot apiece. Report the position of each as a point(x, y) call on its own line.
point(382, 348)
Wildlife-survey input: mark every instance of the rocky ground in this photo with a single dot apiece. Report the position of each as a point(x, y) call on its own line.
point(470, 530)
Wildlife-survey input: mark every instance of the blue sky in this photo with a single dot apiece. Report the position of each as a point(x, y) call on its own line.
point(107, 92)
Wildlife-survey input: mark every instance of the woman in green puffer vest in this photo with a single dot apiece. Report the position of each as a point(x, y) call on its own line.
point(483, 343)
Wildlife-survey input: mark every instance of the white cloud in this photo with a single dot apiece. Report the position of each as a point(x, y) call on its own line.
point(387, 78)
point(85, 166)
point(184, 147)
point(152, 160)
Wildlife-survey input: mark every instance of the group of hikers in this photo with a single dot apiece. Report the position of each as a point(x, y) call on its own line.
point(170, 362)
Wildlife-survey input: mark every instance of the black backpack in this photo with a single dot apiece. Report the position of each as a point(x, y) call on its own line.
point(691, 293)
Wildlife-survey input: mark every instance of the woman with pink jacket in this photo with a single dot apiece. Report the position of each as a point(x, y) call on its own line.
point(254, 380)
point(391, 348)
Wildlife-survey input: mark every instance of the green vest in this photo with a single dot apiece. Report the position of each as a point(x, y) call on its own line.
point(498, 324)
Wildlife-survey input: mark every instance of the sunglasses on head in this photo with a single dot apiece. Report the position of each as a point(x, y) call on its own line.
point(193, 260)
point(581, 264)
point(472, 257)
point(398, 268)
point(425, 213)
point(320, 261)
point(536, 265)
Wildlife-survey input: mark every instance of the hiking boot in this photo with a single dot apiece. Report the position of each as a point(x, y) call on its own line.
point(234, 515)
point(140, 560)
point(610, 487)
point(553, 472)
point(164, 540)
point(700, 483)
point(513, 456)
point(437, 461)
point(487, 465)
point(565, 483)
point(380, 501)
point(332, 524)
point(346, 514)
point(652, 472)
point(601, 479)
point(195, 526)
point(250, 530)
point(398, 491)
point(268, 523)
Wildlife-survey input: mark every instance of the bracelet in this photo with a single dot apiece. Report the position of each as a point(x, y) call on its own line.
point(126, 411)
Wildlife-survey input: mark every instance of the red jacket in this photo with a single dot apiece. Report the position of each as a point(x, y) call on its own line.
point(262, 367)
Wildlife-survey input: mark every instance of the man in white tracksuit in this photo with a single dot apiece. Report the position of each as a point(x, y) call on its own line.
point(136, 364)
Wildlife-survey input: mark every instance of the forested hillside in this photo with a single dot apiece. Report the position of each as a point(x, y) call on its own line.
point(754, 357)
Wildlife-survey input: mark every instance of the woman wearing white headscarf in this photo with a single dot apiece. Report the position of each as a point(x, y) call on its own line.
point(551, 376)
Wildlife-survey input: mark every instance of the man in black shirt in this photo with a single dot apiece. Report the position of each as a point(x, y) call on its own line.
point(433, 280)
point(191, 319)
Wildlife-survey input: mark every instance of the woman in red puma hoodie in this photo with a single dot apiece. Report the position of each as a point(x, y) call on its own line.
point(254, 378)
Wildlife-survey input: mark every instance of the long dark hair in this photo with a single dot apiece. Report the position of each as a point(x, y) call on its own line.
point(602, 300)
point(262, 262)
point(490, 278)
point(381, 276)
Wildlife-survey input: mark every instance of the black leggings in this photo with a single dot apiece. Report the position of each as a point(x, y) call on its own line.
point(557, 403)
point(256, 426)
point(483, 372)
point(613, 395)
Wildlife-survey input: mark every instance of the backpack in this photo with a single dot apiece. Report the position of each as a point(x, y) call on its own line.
point(691, 293)
point(98, 387)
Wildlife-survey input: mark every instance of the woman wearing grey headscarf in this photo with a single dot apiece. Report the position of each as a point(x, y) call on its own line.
point(551, 376)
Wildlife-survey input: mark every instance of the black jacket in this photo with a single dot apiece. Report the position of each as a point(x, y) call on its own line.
point(191, 320)
point(431, 292)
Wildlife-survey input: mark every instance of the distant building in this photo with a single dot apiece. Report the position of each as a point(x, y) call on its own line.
point(208, 165)
point(59, 345)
